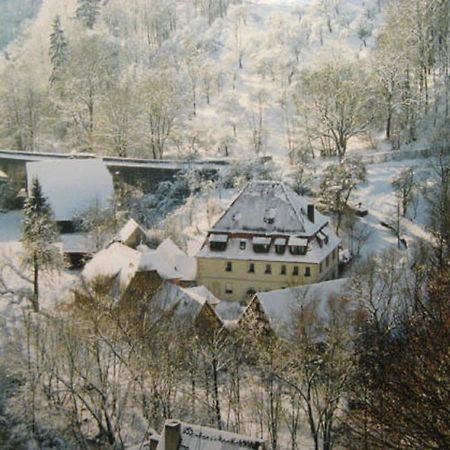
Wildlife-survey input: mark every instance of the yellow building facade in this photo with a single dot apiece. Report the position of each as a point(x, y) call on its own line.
point(268, 239)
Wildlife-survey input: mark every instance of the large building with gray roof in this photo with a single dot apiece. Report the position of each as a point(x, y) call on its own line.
point(269, 238)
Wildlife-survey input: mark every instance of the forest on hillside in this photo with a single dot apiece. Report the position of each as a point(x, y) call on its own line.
point(159, 79)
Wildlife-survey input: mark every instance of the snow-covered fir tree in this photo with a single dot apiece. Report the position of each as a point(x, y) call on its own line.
point(39, 234)
point(58, 48)
point(87, 12)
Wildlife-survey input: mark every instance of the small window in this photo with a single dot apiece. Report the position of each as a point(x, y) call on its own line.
point(229, 267)
point(320, 268)
point(280, 249)
point(327, 261)
point(295, 270)
point(268, 268)
point(333, 255)
point(242, 245)
point(298, 249)
point(261, 248)
point(251, 292)
point(307, 271)
point(283, 270)
point(228, 288)
point(218, 246)
point(251, 268)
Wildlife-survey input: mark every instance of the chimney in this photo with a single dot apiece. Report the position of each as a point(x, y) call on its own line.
point(311, 213)
point(153, 443)
point(172, 434)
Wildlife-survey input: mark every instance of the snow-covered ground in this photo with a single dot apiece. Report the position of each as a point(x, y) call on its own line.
point(378, 196)
point(16, 282)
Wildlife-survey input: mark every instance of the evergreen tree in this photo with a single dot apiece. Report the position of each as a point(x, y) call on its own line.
point(87, 12)
point(38, 236)
point(58, 48)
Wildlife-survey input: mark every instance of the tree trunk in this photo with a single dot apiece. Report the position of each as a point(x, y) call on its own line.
point(216, 394)
point(35, 283)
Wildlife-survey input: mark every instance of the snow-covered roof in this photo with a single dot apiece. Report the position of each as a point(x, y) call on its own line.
point(218, 237)
point(117, 260)
point(77, 243)
point(270, 212)
point(269, 207)
point(129, 231)
point(261, 240)
point(229, 311)
point(279, 306)
point(185, 303)
point(170, 262)
point(203, 292)
point(120, 260)
point(72, 186)
point(297, 242)
point(152, 261)
point(205, 438)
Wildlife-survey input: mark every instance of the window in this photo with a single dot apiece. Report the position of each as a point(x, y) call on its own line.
point(268, 268)
point(280, 245)
point(295, 270)
point(283, 270)
point(228, 288)
point(307, 271)
point(333, 255)
point(327, 261)
point(242, 245)
point(218, 242)
point(251, 268)
point(294, 250)
point(320, 268)
point(297, 249)
point(229, 267)
point(218, 246)
point(261, 248)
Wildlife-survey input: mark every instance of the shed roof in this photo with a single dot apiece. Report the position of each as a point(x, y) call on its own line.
point(72, 186)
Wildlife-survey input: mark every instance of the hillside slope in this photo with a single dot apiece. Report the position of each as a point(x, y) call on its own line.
point(234, 71)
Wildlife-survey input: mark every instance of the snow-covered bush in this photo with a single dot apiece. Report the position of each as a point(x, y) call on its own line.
point(244, 170)
point(151, 208)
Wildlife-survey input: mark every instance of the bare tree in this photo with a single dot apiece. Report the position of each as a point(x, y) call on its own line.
point(404, 184)
point(317, 364)
point(336, 98)
point(160, 110)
